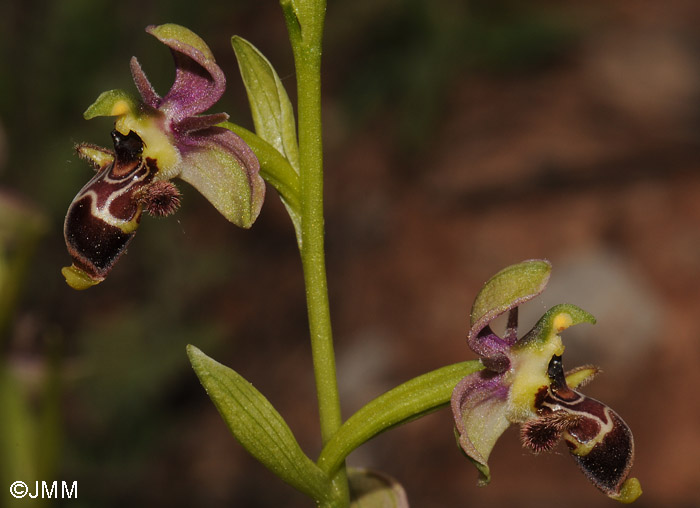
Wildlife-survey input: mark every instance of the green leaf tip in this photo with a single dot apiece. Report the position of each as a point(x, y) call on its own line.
point(259, 428)
point(270, 106)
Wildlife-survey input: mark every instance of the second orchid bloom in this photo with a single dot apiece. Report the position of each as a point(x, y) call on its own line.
point(155, 140)
point(524, 382)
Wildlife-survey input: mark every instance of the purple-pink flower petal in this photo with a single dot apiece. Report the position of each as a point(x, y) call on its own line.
point(199, 81)
point(148, 93)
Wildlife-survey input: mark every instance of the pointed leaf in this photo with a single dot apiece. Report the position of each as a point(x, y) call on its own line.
point(272, 111)
point(372, 489)
point(258, 426)
point(415, 398)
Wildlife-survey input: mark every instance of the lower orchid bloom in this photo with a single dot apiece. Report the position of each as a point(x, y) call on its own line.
point(155, 140)
point(524, 382)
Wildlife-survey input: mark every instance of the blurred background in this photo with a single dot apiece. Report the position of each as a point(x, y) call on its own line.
point(460, 137)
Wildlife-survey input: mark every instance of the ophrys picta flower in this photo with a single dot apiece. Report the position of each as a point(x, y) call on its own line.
point(524, 382)
point(155, 140)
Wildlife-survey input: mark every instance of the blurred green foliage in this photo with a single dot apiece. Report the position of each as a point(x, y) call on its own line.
point(405, 55)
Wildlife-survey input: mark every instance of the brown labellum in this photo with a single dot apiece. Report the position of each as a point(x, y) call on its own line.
point(104, 215)
point(598, 439)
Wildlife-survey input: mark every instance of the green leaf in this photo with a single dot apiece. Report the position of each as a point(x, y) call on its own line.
point(411, 400)
point(509, 288)
point(258, 426)
point(371, 489)
point(272, 111)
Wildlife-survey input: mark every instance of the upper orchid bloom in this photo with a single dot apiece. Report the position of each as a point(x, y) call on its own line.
point(524, 382)
point(157, 139)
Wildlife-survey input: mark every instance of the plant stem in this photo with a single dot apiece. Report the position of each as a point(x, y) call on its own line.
point(305, 23)
point(312, 252)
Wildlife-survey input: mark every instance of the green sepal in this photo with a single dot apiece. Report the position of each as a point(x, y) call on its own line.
point(270, 107)
point(372, 489)
point(411, 400)
point(509, 288)
point(256, 424)
point(112, 103)
point(181, 35)
point(275, 170)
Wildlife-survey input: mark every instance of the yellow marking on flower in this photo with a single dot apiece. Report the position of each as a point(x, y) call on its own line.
point(529, 375)
point(156, 144)
point(130, 227)
point(562, 321)
point(121, 107)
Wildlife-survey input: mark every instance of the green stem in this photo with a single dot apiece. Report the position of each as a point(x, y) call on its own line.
point(305, 21)
point(312, 252)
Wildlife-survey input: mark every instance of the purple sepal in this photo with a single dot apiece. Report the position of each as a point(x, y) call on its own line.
point(479, 406)
point(199, 81)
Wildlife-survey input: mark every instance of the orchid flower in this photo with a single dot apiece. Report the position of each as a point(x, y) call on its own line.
point(524, 382)
point(155, 140)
